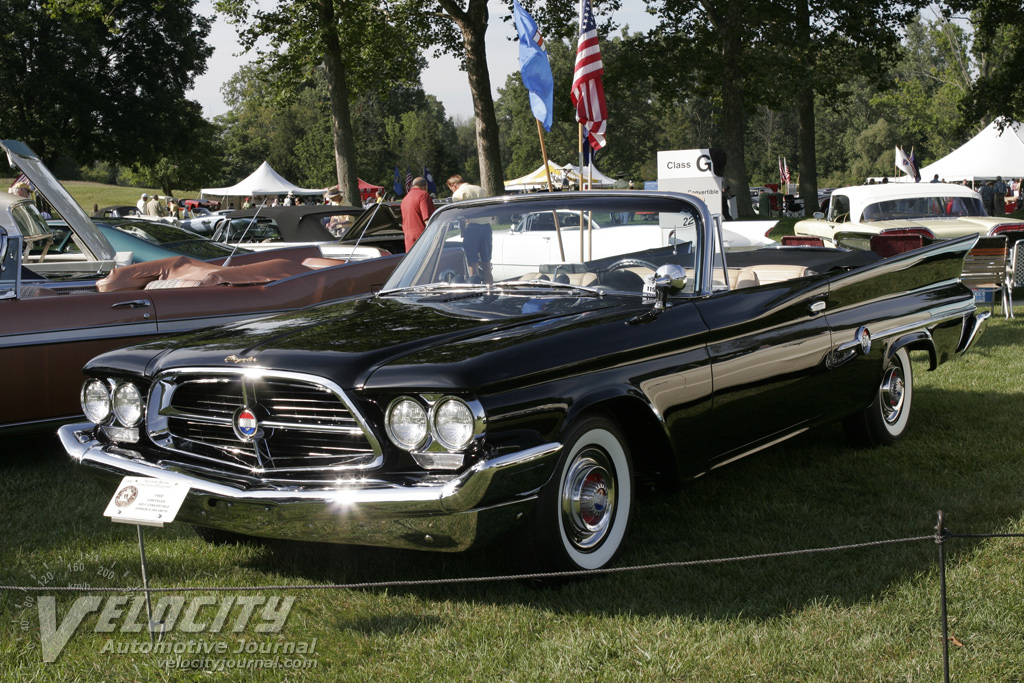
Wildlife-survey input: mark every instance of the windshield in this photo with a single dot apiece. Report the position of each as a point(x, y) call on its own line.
point(922, 207)
point(173, 238)
point(603, 241)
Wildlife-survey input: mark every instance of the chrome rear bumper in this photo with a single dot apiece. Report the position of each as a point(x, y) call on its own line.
point(443, 514)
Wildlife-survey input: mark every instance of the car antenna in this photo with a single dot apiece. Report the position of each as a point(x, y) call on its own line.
point(366, 227)
point(227, 261)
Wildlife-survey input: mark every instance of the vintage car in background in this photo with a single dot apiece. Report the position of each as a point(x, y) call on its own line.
point(444, 411)
point(55, 315)
point(292, 226)
point(932, 211)
point(134, 240)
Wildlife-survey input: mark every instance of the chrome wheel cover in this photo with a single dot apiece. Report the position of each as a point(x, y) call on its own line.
point(588, 499)
point(893, 394)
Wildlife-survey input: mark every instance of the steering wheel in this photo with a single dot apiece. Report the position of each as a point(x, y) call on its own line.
point(630, 263)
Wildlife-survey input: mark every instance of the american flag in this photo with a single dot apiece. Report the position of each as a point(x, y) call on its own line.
point(784, 172)
point(408, 180)
point(587, 89)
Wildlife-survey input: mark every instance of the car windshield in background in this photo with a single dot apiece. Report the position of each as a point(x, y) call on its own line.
point(173, 238)
point(605, 242)
point(922, 207)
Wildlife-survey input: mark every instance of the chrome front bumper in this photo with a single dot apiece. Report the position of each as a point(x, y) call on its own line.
point(443, 514)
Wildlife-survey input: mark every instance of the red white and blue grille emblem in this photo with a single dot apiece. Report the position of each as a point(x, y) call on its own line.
point(247, 427)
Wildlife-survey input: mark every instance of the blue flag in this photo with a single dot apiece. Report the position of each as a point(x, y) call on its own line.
point(399, 190)
point(431, 185)
point(534, 66)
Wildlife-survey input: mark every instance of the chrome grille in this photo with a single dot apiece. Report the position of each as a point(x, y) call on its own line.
point(309, 430)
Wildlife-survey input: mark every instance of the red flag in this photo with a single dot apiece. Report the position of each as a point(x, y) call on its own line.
point(587, 88)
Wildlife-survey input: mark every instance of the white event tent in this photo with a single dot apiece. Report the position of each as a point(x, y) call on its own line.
point(985, 156)
point(263, 181)
point(538, 179)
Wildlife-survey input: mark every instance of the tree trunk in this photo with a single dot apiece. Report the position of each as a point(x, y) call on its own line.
point(805, 149)
point(341, 118)
point(734, 119)
point(473, 23)
point(807, 156)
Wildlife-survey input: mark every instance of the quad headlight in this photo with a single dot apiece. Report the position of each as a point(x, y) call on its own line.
point(407, 423)
point(453, 423)
point(117, 407)
point(96, 403)
point(434, 429)
point(127, 404)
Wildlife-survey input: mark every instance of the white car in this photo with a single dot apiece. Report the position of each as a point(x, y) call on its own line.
point(934, 211)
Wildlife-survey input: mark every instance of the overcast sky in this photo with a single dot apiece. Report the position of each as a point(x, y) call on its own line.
point(441, 79)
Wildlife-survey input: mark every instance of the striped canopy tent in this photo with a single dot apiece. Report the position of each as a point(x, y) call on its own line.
point(538, 180)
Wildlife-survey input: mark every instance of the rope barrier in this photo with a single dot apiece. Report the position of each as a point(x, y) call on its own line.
point(940, 537)
point(476, 579)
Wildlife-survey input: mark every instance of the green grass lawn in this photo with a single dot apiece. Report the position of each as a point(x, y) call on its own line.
point(854, 615)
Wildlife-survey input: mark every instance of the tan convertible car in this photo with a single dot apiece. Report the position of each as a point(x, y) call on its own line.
point(56, 315)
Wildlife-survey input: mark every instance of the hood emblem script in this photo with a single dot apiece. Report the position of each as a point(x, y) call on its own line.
point(236, 360)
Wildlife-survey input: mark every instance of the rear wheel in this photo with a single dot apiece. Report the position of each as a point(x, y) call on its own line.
point(582, 516)
point(884, 422)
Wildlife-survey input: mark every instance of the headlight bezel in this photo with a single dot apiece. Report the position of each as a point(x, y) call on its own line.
point(438, 439)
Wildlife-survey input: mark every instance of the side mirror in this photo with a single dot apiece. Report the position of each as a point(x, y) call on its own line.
point(819, 215)
point(668, 280)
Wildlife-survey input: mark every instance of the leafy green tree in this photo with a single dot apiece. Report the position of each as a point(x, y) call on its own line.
point(101, 80)
point(459, 28)
point(999, 51)
point(355, 44)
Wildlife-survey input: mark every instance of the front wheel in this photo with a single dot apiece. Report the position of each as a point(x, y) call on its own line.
point(884, 422)
point(582, 516)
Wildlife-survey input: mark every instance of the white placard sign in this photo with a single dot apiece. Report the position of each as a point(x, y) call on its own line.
point(690, 171)
point(146, 501)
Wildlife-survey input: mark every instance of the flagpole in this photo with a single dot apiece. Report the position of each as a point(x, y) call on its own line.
point(547, 170)
point(544, 154)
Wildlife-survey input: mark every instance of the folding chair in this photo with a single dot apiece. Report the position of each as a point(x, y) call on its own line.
point(985, 268)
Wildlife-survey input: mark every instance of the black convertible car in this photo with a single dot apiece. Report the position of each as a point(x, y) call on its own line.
point(473, 397)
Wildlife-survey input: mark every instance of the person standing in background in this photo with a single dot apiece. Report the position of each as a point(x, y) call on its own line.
point(999, 200)
point(417, 207)
point(477, 238)
point(462, 190)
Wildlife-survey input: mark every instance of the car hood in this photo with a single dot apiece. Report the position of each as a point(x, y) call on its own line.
point(440, 341)
point(92, 242)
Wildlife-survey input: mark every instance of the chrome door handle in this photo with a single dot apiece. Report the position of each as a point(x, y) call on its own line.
point(817, 307)
point(137, 303)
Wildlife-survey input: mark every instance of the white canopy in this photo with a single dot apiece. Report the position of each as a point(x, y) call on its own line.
point(985, 156)
point(538, 179)
point(263, 181)
point(599, 179)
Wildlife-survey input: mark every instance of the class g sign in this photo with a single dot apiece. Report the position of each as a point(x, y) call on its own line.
point(690, 171)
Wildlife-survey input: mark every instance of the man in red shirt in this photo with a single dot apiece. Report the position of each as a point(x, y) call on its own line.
point(416, 209)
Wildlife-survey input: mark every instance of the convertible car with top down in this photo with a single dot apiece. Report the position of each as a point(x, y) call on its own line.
point(450, 408)
point(71, 290)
